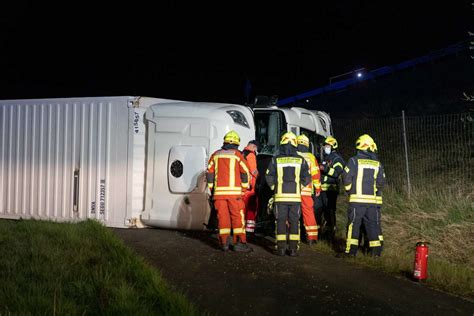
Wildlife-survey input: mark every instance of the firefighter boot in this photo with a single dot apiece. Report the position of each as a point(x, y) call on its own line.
point(226, 245)
point(281, 248)
point(241, 246)
point(250, 236)
point(293, 251)
point(375, 252)
point(280, 252)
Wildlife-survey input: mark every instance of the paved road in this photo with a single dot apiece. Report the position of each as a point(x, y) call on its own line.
point(260, 283)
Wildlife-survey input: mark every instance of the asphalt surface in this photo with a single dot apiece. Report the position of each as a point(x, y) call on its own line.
point(260, 283)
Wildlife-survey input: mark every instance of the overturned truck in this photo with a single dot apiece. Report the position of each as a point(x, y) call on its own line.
point(127, 161)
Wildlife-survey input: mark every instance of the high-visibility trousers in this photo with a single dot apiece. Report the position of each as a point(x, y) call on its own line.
point(287, 234)
point(251, 207)
point(309, 220)
point(379, 223)
point(230, 215)
point(355, 215)
point(363, 239)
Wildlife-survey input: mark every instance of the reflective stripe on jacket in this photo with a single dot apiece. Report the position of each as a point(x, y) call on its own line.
point(364, 178)
point(378, 197)
point(227, 173)
point(333, 168)
point(251, 159)
point(287, 175)
point(314, 171)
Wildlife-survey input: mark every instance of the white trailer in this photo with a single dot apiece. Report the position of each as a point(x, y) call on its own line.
point(126, 161)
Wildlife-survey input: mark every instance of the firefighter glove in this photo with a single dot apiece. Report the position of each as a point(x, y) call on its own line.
point(270, 206)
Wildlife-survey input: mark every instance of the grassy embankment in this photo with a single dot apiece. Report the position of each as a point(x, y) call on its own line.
point(445, 220)
point(76, 269)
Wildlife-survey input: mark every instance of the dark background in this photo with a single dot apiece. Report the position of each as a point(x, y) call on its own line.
point(207, 53)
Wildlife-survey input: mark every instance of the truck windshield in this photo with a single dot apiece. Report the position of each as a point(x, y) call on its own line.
point(269, 125)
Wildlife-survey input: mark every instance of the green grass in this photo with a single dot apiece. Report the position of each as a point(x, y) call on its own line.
point(445, 220)
point(77, 269)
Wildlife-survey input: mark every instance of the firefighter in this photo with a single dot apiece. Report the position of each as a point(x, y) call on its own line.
point(227, 178)
point(331, 168)
point(250, 196)
point(363, 177)
point(314, 187)
point(363, 239)
point(287, 175)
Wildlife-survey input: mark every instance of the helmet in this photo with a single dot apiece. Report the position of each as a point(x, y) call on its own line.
point(232, 138)
point(365, 142)
point(374, 148)
point(331, 141)
point(302, 140)
point(288, 137)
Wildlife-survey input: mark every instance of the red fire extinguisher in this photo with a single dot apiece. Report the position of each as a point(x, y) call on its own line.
point(420, 269)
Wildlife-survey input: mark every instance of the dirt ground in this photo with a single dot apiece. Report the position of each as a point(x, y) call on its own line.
point(260, 283)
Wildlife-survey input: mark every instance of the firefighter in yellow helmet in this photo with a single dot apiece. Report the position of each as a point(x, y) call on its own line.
point(363, 239)
point(332, 167)
point(287, 175)
point(228, 178)
point(314, 188)
point(363, 177)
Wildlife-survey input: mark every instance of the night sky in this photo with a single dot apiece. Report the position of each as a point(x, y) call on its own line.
point(206, 53)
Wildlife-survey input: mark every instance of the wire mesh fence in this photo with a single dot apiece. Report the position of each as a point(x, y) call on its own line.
point(418, 152)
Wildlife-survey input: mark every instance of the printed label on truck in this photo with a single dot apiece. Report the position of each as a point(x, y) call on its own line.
point(136, 121)
point(102, 197)
point(93, 207)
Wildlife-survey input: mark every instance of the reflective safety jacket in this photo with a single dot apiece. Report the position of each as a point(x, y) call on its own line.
point(364, 178)
point(287, 174)
point(315, 185)
point(333, 168)
point(378, 197)
point(227, 174)
point(251, 159)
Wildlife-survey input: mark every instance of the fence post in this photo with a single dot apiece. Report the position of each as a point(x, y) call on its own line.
point(406, 153)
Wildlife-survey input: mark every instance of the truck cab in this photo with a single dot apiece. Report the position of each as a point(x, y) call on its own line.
point(270, 123)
